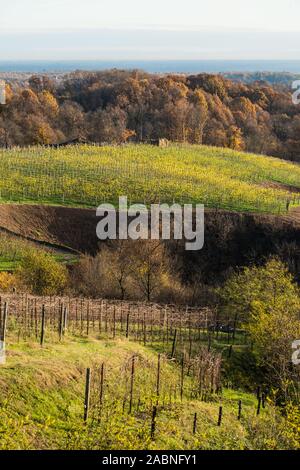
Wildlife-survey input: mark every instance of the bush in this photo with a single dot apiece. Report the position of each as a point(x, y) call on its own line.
point(41, 274)
point(7, 282)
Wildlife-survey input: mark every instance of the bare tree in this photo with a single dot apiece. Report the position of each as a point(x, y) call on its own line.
point(148, 265)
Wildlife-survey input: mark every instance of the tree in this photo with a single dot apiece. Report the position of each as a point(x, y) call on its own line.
point(49, 103)
point(117, 106)
point(236, 141)
point(41, 83)
point(272, 331)
point(87, 276)
point(148, 265)
point(213, 84)
point(198, 116)
point(108, 125)
point(71, 119)
point(115, 260)
point(268, 301)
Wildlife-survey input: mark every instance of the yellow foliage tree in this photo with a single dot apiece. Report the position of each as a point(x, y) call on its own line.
point(236, 141)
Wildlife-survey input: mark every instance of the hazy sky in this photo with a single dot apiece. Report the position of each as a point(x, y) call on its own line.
point(152, 29)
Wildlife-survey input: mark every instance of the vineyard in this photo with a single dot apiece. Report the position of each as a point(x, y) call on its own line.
point(114, 375)
point(173, 328)
point(89, 175)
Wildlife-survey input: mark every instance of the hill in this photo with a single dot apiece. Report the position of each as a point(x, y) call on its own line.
point(86, 176)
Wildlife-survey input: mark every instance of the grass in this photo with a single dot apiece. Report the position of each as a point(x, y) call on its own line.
point(42, 395)
point(88, 176)
point(8, 265)
point(13, 249)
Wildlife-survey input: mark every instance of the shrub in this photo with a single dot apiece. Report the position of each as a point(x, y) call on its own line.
point(42, 274)
point(7, 282)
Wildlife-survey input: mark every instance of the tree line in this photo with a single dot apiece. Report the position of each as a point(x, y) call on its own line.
point(115, 107)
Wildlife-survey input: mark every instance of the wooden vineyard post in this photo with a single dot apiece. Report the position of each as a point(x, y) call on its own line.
point(131, 384)
point(137, 320)
point(158, 379)
point(240, 410)
point(167, 338)
point(127, 325)
point(61, 323)
point(121, 319)
point(106, 324)
point(174, 345)
point(182, 378)
point(151, 328)
point(190, 337)
point(3, 334)
point(88, 319)
point(166, 327)
point(65, 320)
point(144, 328)
point(195, 424)
point(35, 319)
point(76, 314)
point(26, 317)
point(114, 322)
point(43, 326)
point(87, 395)
point(81, 317)
point(93, 318)
point(153, 422)
point(220, 416)
point(4, 323)
point(100, 317)
point(101, 387)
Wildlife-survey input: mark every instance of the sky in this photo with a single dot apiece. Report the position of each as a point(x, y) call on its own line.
point(152, 29)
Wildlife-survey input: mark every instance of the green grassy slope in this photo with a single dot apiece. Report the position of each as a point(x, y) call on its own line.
point(42, 396)
point(13, 249)
point(88, 176)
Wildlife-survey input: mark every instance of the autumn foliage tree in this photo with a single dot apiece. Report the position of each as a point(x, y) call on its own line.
point(267, 300)
point(120, 106)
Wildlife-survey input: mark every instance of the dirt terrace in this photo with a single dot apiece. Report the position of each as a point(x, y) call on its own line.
point(231, 239)
point(66, 227)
